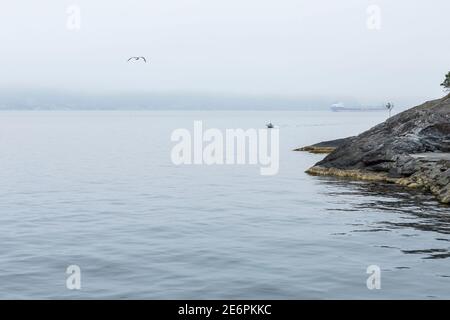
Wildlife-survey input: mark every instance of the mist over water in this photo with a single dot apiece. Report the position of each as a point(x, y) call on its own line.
point(288, 48)
point(99, 190)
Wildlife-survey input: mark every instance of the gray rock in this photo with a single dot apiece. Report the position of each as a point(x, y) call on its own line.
point(425, 128)
point(325, 146)
point(390, 148)
point(332, 143)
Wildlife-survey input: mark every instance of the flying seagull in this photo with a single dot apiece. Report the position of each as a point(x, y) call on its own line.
point(138, 58)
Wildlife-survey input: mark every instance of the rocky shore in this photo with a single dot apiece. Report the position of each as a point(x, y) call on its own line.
point(411, 148)
point(325, 146)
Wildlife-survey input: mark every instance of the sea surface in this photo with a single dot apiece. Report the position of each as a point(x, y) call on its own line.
point(98, 189)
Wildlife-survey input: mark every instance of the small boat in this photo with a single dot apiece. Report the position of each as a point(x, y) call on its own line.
point(269, 125)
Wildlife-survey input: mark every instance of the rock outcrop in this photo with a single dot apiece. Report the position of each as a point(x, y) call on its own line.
point(386, 152)
point(325, 146)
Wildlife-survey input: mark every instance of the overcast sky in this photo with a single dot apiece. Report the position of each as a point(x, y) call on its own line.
point(257, 47)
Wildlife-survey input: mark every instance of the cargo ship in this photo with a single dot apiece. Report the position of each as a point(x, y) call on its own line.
point(340, 107)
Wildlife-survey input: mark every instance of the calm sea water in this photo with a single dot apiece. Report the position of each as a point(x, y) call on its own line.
point(99, 190)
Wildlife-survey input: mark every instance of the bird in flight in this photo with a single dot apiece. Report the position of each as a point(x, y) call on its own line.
point(138, 58)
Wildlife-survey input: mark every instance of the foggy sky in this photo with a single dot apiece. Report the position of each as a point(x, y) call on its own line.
point(258, 47)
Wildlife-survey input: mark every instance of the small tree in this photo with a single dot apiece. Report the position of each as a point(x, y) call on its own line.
point(389, 106)
point(446, 83)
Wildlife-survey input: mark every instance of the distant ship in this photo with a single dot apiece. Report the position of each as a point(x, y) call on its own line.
point(340, 107)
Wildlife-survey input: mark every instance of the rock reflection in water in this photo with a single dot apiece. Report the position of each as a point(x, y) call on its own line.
point(416, 210)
